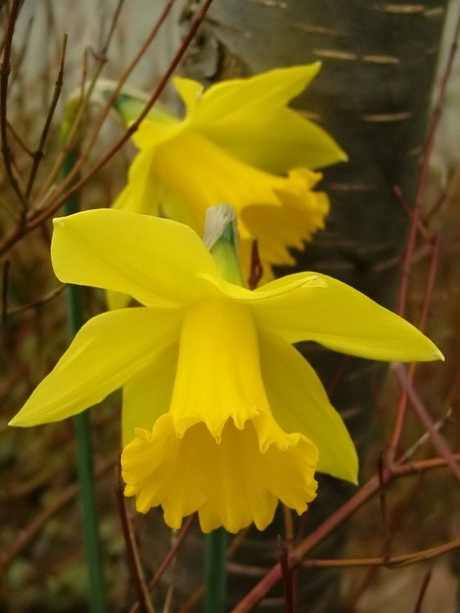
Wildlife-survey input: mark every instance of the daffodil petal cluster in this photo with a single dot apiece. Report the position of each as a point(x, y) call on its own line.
point(239, 143)
point(221, 414)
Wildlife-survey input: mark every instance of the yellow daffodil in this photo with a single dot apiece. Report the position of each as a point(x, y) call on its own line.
point(221, 414)
point(240, 144)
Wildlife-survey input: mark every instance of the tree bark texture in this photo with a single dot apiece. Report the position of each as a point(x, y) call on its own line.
point(373, 95)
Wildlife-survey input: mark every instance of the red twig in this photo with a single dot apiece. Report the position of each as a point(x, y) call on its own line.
point(407, 262)
point(369, 490)
point(393, 562)
point(132, 551)
point(422, 413)
point(423, 588)
point(32, 529)
point(416, 217)
point(402, 402)
point(5, 282)
point(283, 557)
point(436, 116)
point(5, 70)
point(434, 262)
point(257, 270)
point(410, 213)
point(42, 214)
point(169, 557)
point(383, 510)
point(86, 93)
point(39, 153)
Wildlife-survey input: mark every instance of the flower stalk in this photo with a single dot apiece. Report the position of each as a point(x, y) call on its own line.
point(215, 575)
point(82, 430)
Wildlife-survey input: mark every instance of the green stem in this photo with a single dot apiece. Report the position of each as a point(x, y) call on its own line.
point(215, 575)
point(82, 428)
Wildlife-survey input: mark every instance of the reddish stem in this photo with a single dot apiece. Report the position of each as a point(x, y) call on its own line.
point(422, 413)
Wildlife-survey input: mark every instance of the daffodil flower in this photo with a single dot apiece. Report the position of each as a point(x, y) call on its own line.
point(221, 414)
point(240, 144)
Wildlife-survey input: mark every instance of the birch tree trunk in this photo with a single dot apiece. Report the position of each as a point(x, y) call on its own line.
point(373, 96)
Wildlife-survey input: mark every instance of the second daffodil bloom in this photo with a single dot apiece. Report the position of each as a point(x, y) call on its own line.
point(221, 414)
point(239, 144)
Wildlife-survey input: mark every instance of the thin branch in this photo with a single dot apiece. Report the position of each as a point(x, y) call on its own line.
point(39, 216)
point(85, 97)
point(156, 94)
point(169, 557)
point(77, 119)
point(31, 530)
point(420, 410)
point(398, 425)
point(384, 511)
point(425, 437)
point(40, 152)
point(5, 284)
point(33, 305)
point(423, 231)
point(115, 18)
point(416, 214)
point(137, 573)
point(5, 70)
point(436, 116)
point(198, 594)
point(368, 491)
point(428, 294)
point(421, 596)
point(407, 262)
point(286, 574)
point(415, 468)
point(257, 270)
point(423, 320)
point(19, 140)
point(394, 562)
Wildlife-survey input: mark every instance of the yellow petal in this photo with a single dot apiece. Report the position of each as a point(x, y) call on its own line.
point(232, 100)
point(150, 134)
point(107, 351)
point(218, 374)
point(279, 228)
point(210, 177)
point(115, 300)
point(147, 395)
point(249, 119)
point(288, 141)
point(190, 91)
point(141, 180)
point(221, 153)
point(230, 484)
point(340, 318)
point(299, 403)
point(267, 292)
point(154, 260)
point(197, 174)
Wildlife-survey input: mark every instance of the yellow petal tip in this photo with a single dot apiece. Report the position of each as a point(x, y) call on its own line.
point(17, 421)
